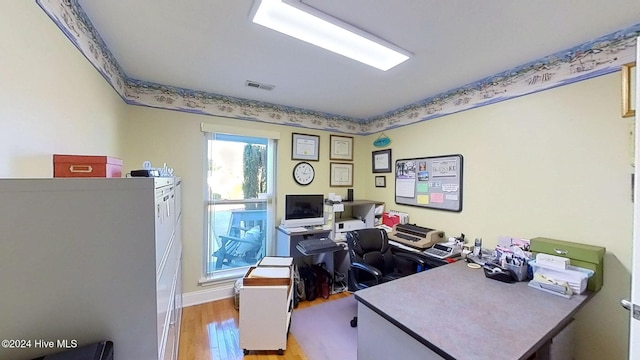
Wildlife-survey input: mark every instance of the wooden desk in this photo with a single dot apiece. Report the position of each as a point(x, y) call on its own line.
point(455, 312)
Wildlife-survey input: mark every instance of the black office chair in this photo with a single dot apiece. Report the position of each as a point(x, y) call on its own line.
point(372, 261)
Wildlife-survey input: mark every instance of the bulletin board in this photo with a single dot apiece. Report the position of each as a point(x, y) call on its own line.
point(431, 182)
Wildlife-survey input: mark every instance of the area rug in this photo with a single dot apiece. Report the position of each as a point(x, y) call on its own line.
point(323, 331)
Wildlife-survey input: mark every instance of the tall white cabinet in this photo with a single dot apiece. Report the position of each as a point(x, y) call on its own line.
point(91, 260)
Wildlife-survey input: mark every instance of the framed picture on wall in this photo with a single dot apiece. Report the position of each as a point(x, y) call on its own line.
point(305, 147)
point(341, 174)
point(629, 89)
point(341, 148)
point(381, 181)
point(381, 161)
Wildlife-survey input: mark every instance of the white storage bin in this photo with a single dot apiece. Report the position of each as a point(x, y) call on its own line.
point(576, 277)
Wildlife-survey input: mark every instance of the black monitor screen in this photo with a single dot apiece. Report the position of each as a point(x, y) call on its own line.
point(304, 207)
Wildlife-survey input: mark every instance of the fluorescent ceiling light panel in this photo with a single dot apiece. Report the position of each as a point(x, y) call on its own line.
point(308, 24)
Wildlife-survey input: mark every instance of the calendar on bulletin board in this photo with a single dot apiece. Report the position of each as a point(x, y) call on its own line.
point(432, 182)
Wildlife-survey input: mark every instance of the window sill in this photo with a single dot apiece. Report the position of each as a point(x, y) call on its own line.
point(224, 276)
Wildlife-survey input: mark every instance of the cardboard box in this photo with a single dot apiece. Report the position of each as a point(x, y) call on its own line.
point(267, 276)
point(580, 255)
point(86, 166)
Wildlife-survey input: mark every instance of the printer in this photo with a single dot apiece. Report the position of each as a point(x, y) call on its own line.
point(348, 225)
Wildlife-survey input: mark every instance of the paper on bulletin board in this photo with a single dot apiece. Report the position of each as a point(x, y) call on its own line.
point(423, 199)
point(437, 198)
point(405, 187)
point(450, 187)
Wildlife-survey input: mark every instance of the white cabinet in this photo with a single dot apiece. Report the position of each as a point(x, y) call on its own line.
point(266, 304)
point(91, 260)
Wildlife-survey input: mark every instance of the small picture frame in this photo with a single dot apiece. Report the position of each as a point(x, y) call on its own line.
point(341, 148)
point(341, 174)
point(381, 181)
point(629, 89)
point(305, 147)
point(381, 161)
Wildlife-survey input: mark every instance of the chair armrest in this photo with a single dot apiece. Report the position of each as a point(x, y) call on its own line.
point(233, 238)
point(416, 259)
point(377, 274)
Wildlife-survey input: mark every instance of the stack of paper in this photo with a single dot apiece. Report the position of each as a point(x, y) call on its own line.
point(270, 272)
point(574, 277)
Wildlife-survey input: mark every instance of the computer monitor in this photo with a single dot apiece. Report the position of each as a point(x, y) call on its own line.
point(303, 210)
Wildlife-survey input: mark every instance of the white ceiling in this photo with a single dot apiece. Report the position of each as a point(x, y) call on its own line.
point(212, 46)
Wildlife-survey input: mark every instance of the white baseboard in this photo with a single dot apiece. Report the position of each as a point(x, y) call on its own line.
point(211, 293)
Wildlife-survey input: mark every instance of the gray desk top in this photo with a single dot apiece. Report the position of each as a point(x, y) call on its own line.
point(457, 311)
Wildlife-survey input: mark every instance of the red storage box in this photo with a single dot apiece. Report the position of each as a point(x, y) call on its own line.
point(86, 166)
point(390, 220)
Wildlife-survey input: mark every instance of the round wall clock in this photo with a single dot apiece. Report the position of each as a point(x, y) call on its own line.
point(303, 173)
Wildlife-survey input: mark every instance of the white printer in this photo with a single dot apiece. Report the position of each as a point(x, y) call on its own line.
point(348, 225)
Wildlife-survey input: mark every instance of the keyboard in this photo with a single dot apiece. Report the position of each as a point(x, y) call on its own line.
point(290, 230)
point(407, 237)
point(316, 246)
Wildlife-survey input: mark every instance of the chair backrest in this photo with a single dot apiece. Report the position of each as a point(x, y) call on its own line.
point(243, 220)
point(371, 247)
point(249, 225)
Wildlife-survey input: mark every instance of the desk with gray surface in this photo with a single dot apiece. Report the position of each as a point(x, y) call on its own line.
point(455, 312)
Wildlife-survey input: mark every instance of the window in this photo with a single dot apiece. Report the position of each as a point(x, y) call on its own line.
point(239, 216)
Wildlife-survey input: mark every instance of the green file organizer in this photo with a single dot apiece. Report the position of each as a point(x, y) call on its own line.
point(581, 255)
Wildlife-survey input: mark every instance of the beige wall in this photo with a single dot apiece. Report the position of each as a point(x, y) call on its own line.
point(175, 138)
point(52, 99)
point(555, 164)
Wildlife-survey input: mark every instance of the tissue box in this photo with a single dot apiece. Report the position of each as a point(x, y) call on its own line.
point(580, 255)
point(552, 261)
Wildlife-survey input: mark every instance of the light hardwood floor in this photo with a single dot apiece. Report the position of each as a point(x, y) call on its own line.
point(210, 331)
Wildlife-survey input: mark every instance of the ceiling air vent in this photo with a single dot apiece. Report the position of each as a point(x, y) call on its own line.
point(257, 85)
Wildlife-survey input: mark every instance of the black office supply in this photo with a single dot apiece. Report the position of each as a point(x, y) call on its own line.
point(317, 246)
point(144, 173)
point(98, 351)
point(497, 272)
point(349, 195)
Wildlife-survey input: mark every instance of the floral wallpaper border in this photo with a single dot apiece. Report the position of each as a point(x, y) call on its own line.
point(594, 58)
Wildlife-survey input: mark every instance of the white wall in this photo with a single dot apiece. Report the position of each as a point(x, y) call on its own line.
point(554, 164)
point(52, 100)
